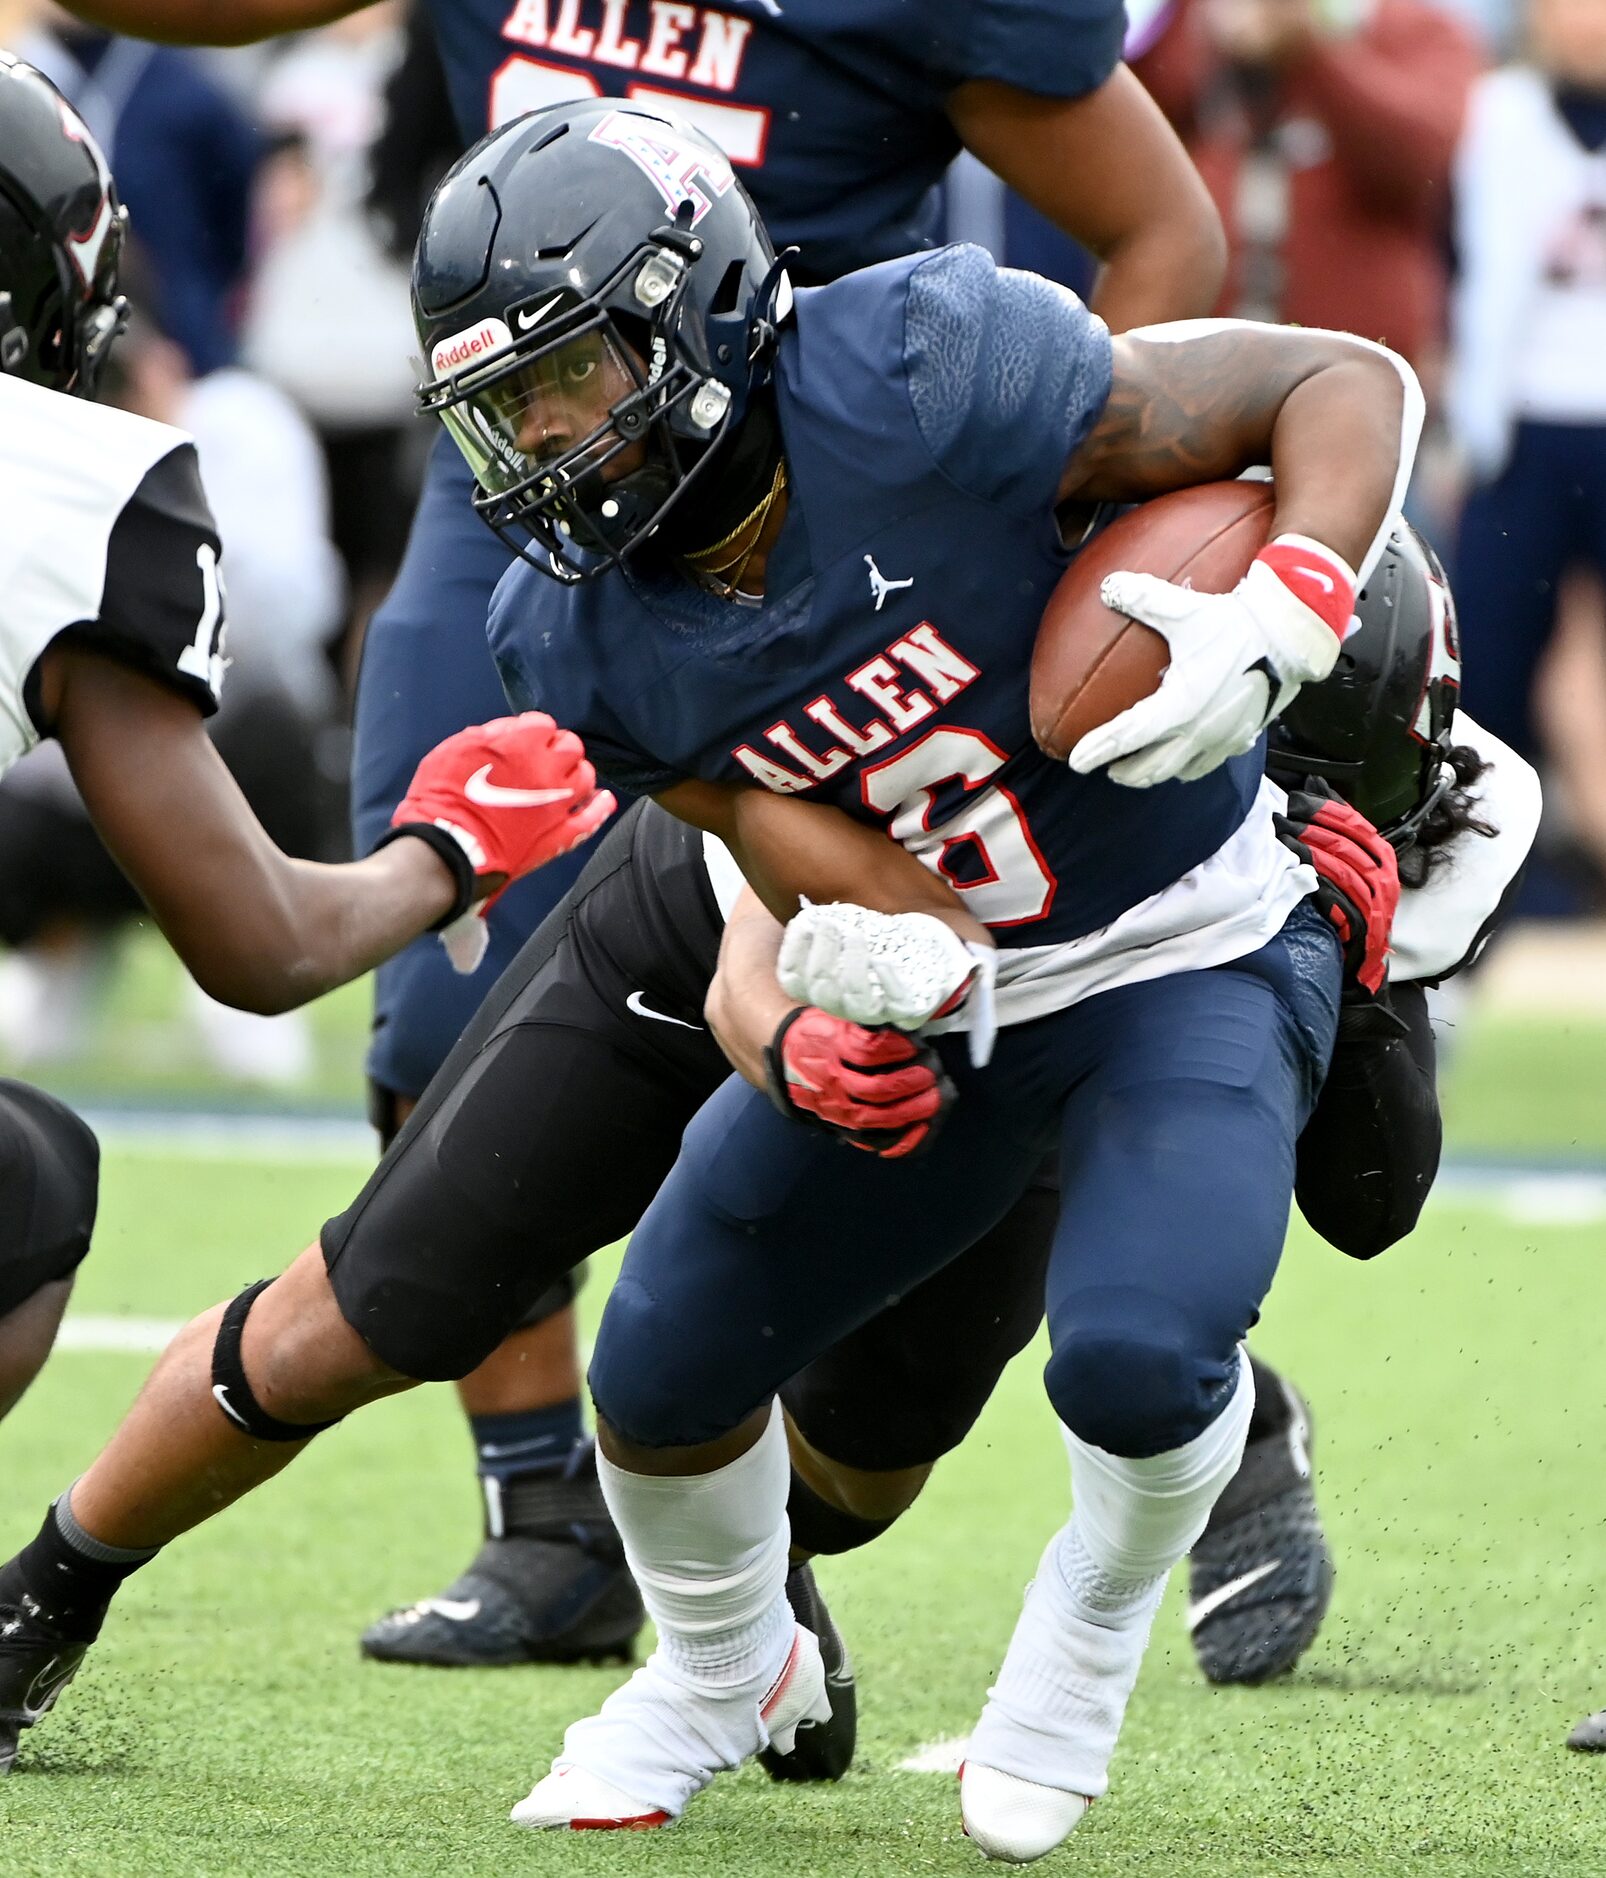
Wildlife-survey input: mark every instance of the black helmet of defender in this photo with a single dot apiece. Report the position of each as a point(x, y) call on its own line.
point(595, 242)
point(1379, 728)
point(61, 237)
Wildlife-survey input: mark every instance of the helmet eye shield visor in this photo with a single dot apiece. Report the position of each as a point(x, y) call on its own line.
point(553, 413)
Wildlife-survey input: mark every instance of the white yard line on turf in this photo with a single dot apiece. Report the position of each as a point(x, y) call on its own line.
point(148, 1336)
point(130, 1336)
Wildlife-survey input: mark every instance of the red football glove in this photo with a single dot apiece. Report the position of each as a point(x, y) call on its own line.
point(506, 798)
point(879, 1090)
point(1358, 877)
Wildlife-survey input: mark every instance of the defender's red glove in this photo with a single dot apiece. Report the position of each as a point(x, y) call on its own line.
point(499, 800)
point(878, 1090)
point(1357, 872)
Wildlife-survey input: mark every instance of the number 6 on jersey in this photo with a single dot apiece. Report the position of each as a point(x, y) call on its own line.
point(1015, 885)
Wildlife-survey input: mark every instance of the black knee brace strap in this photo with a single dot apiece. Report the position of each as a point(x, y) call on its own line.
point(232, 1391)
point(818, 1526)
point(555, 1298)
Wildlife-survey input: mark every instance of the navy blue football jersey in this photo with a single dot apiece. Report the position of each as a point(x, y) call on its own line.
point(832, 110)
point(927, 408)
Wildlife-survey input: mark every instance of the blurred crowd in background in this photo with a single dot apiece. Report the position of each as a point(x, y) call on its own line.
point(1431, 173)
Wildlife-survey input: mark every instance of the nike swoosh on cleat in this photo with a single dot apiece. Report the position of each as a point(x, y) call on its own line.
point(1223, 1594)
point(46, 1686)
point(454, 1610)
point(479, 788)
point(638, 1003)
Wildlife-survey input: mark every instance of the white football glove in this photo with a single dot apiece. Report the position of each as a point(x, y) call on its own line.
point(886, 968)
point(1215, 697)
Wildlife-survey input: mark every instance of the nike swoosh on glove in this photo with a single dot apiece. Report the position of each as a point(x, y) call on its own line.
point(877, 1090)
point(510, 796)
point(886, 968)
point(1358, 876)
point(1237, 659)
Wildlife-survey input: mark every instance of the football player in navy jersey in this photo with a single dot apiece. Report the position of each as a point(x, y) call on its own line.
point(841, 117)
point(111, 641)
point(751, 508)
point(806, 544)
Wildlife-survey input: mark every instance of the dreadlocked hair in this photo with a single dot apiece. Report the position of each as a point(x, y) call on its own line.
point(1453, 815)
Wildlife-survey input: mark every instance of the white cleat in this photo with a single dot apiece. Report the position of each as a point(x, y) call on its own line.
point(570, 1797)
point(1013, 1819)
point(667, 1738)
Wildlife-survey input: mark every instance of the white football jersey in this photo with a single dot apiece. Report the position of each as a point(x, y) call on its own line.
point(106, 533)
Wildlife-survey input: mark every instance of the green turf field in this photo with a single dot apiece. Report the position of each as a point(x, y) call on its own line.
point(225, 1724)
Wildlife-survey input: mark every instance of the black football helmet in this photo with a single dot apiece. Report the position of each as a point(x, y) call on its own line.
point(61, 238)
point(1379, 728)
point(601, 253)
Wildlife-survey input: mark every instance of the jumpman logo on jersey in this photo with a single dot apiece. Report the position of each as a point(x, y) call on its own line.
point(880, 586)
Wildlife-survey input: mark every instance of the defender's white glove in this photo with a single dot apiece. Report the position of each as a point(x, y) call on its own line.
point(1237, 659)
point(886, 968)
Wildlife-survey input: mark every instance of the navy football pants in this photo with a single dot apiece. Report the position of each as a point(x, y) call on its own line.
point(1175, 1106)
point(427, 671)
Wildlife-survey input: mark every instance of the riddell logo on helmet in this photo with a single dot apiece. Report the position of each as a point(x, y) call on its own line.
point(474, 342)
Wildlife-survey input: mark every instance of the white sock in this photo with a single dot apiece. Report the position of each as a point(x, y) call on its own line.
point(709, 1552)
point(1137, 1518)
point(1056, 1709)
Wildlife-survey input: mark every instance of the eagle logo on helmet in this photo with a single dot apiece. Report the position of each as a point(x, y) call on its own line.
point(682, 169)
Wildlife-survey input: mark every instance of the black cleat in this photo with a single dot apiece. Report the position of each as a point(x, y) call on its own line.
point(36, 1663)
point(1589, 1737)
point(1260, 1578)
point(555, 1589)
point(822, 1750)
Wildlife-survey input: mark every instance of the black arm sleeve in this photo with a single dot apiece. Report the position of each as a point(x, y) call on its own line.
point(1370, 1150)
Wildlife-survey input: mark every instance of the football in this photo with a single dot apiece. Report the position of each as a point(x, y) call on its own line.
point(1090, 664)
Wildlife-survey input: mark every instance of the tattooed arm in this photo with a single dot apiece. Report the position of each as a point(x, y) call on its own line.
point(1335, 417)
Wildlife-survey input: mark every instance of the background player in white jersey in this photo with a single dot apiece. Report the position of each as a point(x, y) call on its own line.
point(111, 641)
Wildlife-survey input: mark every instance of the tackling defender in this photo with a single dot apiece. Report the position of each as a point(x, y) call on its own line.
point(111, 641)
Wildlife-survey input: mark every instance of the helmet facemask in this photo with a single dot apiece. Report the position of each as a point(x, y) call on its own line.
point(585, 431)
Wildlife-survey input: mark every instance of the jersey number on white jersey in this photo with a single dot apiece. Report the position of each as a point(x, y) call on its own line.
point(203, 657)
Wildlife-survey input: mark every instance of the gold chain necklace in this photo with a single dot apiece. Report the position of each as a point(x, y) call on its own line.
point(724, 576)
